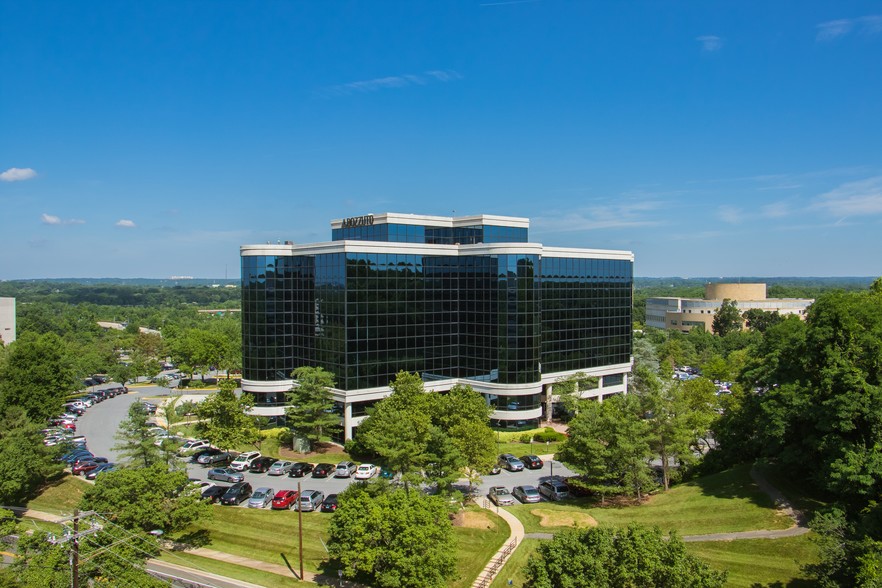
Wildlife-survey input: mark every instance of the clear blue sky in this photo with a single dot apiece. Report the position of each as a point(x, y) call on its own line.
point(150, 139)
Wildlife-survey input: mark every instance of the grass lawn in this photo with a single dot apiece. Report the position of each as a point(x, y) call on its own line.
point(764, 562)
point(476, 542)
point(232, 570)
point(518, 449)
point(60, 496)
point(514, 568)
point(724, 502)
point(266, 535)
point(271, 536)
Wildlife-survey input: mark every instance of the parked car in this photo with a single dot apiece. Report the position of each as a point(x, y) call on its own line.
point(225, 475)
point(330, 503)
point(194, 445)
point(168, 441)
point(261, 498)
point(200, 486)
point(214, 456)
point(344, 469)
point(280, 468)
point(285, 499)
point(500, 496)
point(322, 470)
point(78, 456)
point(103, 468)
point(236, 494)
point(84, 467)
point(365, 471)
point(214, 493)
point(300, 469)
point(310, 500)
point(244, 460)
point(72, 456)
point(526, 493)
point(510, 462)
point(554, 490)
point(532, 462)
point(261, 465)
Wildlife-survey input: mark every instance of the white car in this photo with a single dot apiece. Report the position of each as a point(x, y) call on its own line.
point(365, 471)
point(243, 460)
point(193, 445)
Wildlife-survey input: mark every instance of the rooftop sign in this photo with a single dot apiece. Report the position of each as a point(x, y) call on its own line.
point(358, 221)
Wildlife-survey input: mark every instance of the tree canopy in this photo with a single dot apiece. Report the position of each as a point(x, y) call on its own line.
point(609, 557)
point(146, 498)
point(393, 538)
point(224, 419)
point(311, 414)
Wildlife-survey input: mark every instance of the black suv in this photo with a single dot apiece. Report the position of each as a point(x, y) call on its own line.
point(261, 465)
point(237, 494)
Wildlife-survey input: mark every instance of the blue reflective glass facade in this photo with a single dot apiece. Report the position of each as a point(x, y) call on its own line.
point(401, 233)
point(500, 319)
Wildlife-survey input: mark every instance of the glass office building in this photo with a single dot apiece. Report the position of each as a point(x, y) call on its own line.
point(458, 300)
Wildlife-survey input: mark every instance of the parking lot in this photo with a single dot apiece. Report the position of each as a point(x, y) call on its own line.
point(99, 424)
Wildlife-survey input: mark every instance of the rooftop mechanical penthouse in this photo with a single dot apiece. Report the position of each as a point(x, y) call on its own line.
point(456, 299)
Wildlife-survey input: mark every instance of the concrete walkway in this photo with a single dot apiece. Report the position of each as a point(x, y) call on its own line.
point(516, 534)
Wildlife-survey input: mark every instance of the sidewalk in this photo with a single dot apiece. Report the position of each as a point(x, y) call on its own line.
point(516, 535)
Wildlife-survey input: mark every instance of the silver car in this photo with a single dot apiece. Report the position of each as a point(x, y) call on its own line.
point(280, 468)
point(501, 496)
point(310, 500)
point(554, 490)
point(225, 475)
point(526, 493)
point(261, 498)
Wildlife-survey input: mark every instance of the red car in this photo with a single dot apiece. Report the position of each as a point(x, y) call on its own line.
point(284, 499)
point(84, 467)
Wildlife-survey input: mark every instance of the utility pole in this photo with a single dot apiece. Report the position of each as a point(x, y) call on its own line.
point(299, 528)
point(75, 543)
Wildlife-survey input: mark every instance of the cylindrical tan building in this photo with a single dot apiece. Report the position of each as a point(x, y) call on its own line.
point(735, 291)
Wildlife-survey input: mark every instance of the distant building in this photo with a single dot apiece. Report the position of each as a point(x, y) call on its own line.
point(7, 320)
point(682, 314)
point(460, 300)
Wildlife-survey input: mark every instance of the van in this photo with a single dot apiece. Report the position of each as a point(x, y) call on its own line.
point(554, 490)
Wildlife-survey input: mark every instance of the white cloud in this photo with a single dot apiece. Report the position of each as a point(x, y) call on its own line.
point(730, 214)
point(710, 42)
point(601, 216)
point(125, 223)
point(776, 210)
point(18, 174)
point(389, 82)
point(51, 219)
point(861, 198)
point(833, 29)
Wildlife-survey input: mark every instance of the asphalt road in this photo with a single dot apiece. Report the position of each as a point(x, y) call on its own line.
point(100, 422)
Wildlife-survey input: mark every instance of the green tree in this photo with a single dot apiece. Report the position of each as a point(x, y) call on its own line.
point(608, 444)
point(25, 462)
point(37, 375)
point(393, 539)
point(146, 498)
point(224, 419)
point(135, 443)
point(727, 318)
point(609, 557)
point(311, 414)
point(760, 320)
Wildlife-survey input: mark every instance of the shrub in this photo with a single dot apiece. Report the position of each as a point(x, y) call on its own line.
point(549, 435)
point(526, 437)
